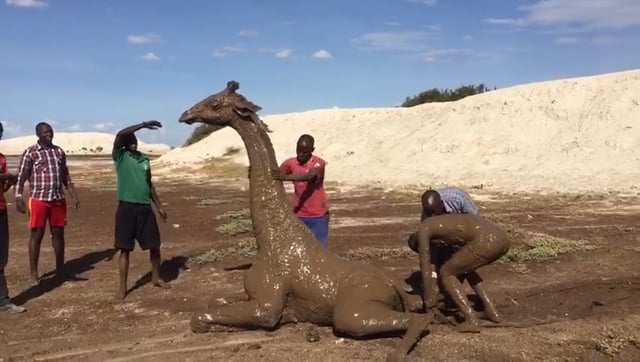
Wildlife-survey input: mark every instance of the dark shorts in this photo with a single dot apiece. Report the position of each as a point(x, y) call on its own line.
point(136, 222)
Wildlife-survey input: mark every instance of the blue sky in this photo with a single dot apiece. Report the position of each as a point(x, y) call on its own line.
point(97, 65)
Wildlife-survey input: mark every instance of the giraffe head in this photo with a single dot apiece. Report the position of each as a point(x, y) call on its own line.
point(222, 108)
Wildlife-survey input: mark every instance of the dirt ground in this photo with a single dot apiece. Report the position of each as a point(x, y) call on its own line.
point(587, 301)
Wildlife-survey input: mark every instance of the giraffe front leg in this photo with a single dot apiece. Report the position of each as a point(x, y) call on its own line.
point(263, 310)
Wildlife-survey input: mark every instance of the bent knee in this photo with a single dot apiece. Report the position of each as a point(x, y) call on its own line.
point(412, 242)
point(268, 318)
point(350, 323)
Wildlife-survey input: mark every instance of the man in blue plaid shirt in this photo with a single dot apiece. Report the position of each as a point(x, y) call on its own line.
point(448, 200)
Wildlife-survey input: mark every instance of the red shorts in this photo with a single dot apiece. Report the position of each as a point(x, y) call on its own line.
point(41, 211)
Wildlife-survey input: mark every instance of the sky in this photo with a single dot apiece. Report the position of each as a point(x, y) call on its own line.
point(97, 65)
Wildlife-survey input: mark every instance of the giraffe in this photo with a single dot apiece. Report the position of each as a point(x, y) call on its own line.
point(293, 278)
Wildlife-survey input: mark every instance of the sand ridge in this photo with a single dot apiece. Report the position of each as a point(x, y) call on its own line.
point(568, 135)
point(77, 143)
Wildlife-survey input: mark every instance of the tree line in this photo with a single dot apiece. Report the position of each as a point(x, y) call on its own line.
point(445, 95)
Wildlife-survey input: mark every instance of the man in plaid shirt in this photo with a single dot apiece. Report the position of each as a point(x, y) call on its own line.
point(448, 200)
point(44, 165)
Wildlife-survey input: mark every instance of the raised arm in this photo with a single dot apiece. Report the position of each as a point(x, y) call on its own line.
point(118, 142)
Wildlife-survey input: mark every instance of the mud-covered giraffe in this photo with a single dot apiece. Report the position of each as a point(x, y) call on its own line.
point(293, 278)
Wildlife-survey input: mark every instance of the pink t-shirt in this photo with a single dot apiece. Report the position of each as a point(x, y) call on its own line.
point(310, 199)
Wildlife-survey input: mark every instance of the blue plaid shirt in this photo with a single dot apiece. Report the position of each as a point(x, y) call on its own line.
point(456, 201)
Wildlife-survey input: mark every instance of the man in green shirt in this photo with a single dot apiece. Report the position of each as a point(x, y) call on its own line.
point(135, 219)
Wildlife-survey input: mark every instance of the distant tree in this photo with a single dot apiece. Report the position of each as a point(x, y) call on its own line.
point(201, 132)
point(444, 95)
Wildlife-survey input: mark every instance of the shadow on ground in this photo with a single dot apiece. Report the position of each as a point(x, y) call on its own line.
point(50, 281)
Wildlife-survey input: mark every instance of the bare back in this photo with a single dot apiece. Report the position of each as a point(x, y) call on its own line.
point(461, 229)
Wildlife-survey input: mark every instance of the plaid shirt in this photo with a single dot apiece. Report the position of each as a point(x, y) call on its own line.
point(46, 170)
point(456, 201)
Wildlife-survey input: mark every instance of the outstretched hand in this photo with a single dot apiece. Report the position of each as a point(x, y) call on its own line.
point(277, 175)
point(153, 124)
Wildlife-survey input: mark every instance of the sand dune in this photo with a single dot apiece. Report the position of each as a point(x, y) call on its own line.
point(77, 143)
point(580, 134)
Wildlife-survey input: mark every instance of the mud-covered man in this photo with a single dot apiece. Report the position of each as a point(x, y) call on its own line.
point(135, 219)
point(481, 242)
point(447, 200)
point(443, 201)
point(306, 171)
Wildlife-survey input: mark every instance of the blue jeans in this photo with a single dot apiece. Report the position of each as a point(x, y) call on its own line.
point(319, 226)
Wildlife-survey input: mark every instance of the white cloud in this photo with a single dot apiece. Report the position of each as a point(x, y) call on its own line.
point(151, 57)
point(566, 40)
point(144, 38)
point(226, 50)
point(217, 53)
point(606, 40)
point(278, 52)
point(467, 37)
point(425, 2)
point(391, 23)
point(407, 41)
point(592, 14)
point(322, 54)
point(74, 128)
point(248, 33)
point(103, 126)
point(457, 55)
point(284, 53)
point(34, 4)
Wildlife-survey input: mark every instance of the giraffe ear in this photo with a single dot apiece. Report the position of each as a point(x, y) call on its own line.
point(244, 107)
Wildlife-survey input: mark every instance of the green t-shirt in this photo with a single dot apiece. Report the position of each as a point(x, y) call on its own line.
point(134, 174)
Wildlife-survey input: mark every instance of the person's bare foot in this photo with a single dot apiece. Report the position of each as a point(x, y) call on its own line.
point(121, 294)
point(8, 307)
point(469, 326)
point(492, 315)
point(69, 276)
point(161, 284)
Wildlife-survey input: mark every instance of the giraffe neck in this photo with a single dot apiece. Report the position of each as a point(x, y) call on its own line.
point(271, 211)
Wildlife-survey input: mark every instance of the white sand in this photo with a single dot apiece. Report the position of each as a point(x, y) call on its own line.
point(571, 135)
point(77, 143)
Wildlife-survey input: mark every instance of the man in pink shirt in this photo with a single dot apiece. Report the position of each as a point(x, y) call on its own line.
point(306, 171)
